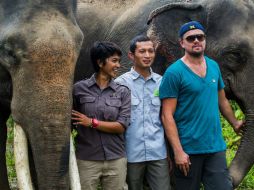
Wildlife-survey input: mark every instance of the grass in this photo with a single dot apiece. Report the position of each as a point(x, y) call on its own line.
point(231, 139)
point(10, 157)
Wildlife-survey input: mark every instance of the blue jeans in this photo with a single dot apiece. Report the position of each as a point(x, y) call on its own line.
point(155, 172)
point(209, 169)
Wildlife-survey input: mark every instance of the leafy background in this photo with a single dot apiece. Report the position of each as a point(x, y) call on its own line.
point(231, 138)
point(233, 141)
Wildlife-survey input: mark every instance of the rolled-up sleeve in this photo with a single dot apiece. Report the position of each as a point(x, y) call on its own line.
point(125, 110)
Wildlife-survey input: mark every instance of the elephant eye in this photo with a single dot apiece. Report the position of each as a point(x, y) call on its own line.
point(7, 57)
point(10, 55)
point(235, 57)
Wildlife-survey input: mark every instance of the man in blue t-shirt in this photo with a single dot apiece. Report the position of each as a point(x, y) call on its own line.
point(192, 94)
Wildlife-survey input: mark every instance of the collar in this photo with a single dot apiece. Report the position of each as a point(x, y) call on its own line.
point(135, 75)
point(92, 81)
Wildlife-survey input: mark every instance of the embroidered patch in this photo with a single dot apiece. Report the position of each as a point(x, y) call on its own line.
point(156, 93)
point(192, 27)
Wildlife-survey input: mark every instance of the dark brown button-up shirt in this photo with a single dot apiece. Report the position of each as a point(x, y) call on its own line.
point(110, 104)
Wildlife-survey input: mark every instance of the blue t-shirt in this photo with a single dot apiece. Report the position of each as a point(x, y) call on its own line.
point(197, 110)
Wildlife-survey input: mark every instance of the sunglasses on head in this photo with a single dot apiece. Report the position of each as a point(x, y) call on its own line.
point(192, 38)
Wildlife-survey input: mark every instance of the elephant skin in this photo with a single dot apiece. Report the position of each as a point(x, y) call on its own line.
point(39, 44)
point(230, 41)
point(114, 20)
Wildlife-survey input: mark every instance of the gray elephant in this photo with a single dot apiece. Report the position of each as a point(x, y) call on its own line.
point(39, 45)
point(230, 41)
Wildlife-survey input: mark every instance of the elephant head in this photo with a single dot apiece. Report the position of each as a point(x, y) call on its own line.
point(230, 41)
point(39, 45)
point(113, 20)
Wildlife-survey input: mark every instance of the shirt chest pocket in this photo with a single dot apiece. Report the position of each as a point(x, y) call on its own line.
point(112, 109)
point(88, 105)
point(155, 110)
point(155, 104)
point(135, 112)
point(134, 102)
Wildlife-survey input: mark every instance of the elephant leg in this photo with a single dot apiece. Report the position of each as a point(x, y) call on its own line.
point(4, 184)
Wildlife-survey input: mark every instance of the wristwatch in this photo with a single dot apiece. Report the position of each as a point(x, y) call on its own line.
point(95, 123)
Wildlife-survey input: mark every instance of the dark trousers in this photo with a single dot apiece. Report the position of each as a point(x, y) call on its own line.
point(156, 174)
point(209, 169)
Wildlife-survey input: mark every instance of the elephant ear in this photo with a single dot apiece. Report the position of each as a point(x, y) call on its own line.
point(164, 24)
point(179, 6)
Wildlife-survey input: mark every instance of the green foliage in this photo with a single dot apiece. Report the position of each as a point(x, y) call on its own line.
point(233, 140)
point(74, 133)
point(9, 155)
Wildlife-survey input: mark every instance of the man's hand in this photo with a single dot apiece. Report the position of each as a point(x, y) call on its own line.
point(81, 119)
point(182, 161)
point(238, 126)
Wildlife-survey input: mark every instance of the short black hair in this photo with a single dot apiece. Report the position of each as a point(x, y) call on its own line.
point(139, 38)
point(101, 50)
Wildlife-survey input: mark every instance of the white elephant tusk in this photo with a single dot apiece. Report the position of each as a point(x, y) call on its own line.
point(21, 159)
point(73, 168)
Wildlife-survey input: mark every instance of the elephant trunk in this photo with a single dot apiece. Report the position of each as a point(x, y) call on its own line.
point(50, 144)
point(244, 158)
point(50, 150)
point(47, 125)
point(53, 164)
point(22, 162)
